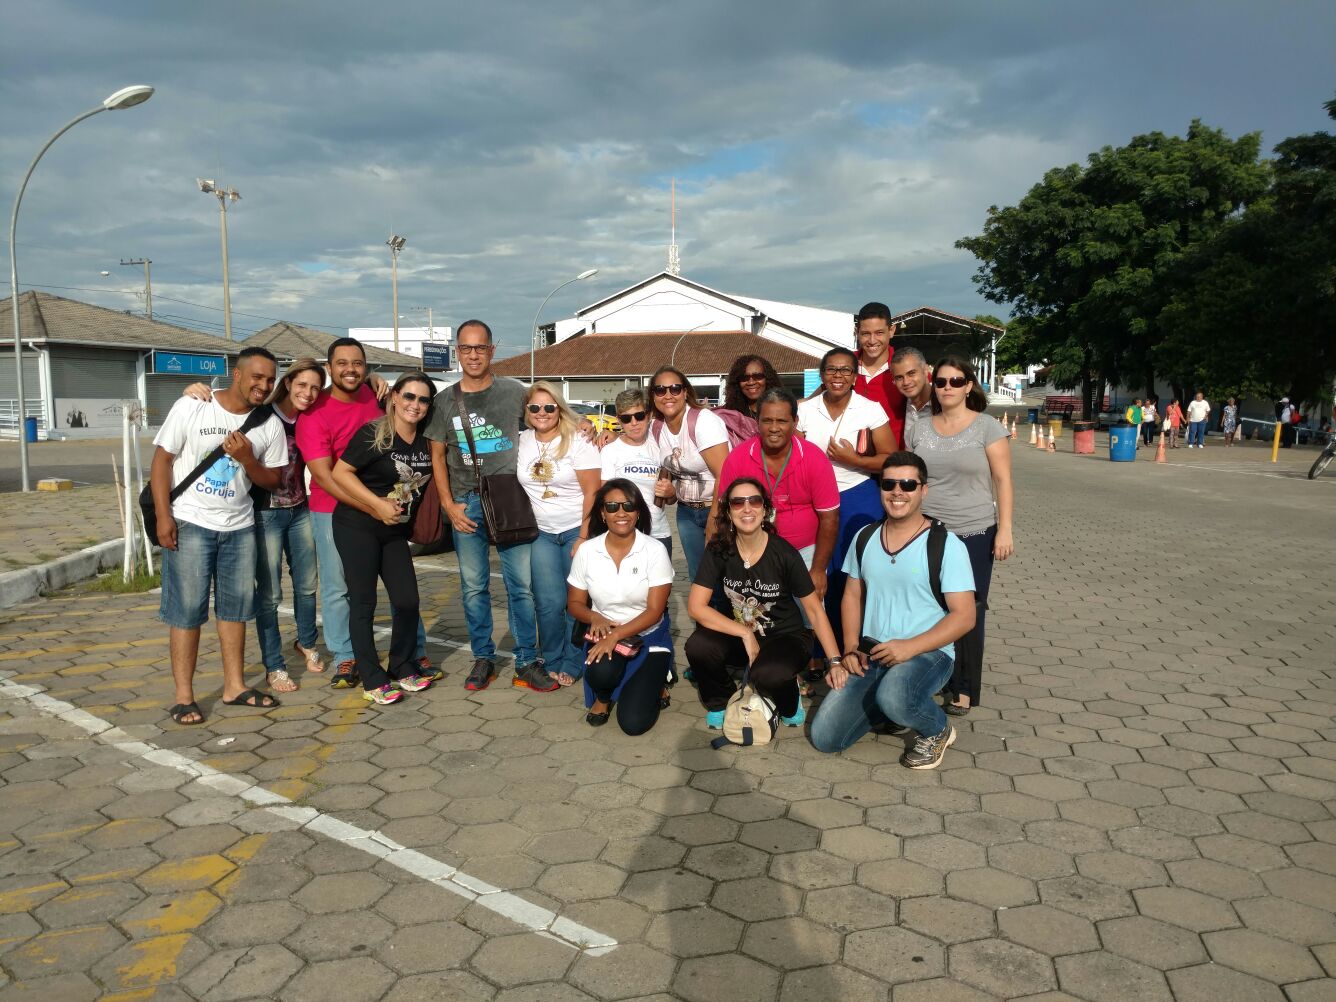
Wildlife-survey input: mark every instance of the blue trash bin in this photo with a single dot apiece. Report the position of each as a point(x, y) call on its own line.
point(1123, 443)
point(1032, 415)
point(30, 429)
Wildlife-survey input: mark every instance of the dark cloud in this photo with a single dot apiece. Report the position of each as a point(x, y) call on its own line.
point(828, 154)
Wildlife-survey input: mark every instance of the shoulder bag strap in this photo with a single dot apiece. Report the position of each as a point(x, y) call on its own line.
point(468, 433)
point(253, 420)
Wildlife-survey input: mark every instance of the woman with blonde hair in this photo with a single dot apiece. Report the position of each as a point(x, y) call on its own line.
point(560, 471)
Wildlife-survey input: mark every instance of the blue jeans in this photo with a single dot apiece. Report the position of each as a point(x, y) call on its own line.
point(280, 532)
point(1196, 432)
point(902, 693)
point(334, 593)
point(475, 571)
point(204, 558)
point(691, 524)
point(550, 562)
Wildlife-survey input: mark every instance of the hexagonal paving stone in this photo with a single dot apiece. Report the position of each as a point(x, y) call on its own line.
point(728, 861)
point(860, 844)
point(1047, 930)
point(757, 899)
point(190, 874)
point(1103, 977)
point(432, 946)
point(1034, 861)
point(694, 932)
point(341, 892)
point(779, 835)
point(946, 919)
point(792, 943)
point(146, 963)
point(253, 972)
point(1189, 909)
point(1289, 920)
point(636, 855)
point(1261, 956)
point(700, 829)
point(1151, 942)
point(708, 979)
point(991, 888)
point(1086, 897)
point(900, 878)
point(1213, 983)
point(1002, 968)
point(629, 971)
point(253, 924)
point(581, 881)
point(894, 955)
point(330, 937)
point(823, 984)
point(63, 951)
point(360, 979)
point(810, 870)
point(1121, 869)
point(89, 904)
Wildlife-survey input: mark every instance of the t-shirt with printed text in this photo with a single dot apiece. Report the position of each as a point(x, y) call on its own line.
point(640, 465)
point(401, 470)
point(682, 453)
point(765, 595)
point(496, 417)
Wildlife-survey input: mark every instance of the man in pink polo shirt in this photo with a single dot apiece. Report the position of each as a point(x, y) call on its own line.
point(799, 478)
point(323, 432)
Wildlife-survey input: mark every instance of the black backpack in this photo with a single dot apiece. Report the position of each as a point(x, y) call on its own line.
point(936, 551)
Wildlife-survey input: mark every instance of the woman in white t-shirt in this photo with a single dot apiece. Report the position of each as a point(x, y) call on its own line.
point(633, 455)
point(619, 584)
point(694, 444)
point(559, 470)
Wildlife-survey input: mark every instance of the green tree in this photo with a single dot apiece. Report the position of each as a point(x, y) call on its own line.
point(1086, 257)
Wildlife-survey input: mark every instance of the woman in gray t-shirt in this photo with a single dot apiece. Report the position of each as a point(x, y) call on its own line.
point(969, 480)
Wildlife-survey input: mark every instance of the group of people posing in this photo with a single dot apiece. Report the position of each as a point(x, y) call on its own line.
point(777, 502)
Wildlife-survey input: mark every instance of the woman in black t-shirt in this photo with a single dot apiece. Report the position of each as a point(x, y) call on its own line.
point(382, 474)
point(764, 580)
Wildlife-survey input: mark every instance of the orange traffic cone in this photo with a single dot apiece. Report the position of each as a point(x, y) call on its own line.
point(1159, 452)
point(1039, 444)
point(1003, 419)
point(1032, 432)
point(1051, 446)
point(1013, 427)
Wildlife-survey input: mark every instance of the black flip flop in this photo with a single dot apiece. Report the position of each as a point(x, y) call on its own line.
point(255, 699)
point(179, 711)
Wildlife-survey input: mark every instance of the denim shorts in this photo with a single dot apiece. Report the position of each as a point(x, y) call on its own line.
point(203, 557)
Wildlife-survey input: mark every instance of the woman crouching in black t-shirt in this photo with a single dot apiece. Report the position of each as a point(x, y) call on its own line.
point(382, 474)
point(764, 580)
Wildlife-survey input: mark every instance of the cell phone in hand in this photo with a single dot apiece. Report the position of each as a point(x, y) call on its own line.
point(866, 644)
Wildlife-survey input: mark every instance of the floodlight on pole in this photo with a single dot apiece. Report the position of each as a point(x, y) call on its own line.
point(533, 344)
point(126, 97)
point(396, 244)
point(211, 187)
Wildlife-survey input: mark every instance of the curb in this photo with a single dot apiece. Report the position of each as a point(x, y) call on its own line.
point(28, 582)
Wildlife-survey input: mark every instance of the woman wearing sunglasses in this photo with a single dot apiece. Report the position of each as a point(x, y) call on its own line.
point(693, 449)
point(383, 470)
point(634, 456)
point(764, 580)
point(748, 379)
point(969, 469)
point(618, 594)
point(559, 470)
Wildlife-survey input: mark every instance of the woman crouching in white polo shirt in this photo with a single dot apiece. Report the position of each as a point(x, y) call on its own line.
point(619, 584)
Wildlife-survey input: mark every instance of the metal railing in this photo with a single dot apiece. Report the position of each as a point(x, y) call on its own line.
point(9, 415)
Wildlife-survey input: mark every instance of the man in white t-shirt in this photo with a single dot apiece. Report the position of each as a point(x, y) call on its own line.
point(634, 456)
point(1198, 411)
point(207, 534)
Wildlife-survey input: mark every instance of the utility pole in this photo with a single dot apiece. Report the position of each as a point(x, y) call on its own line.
point(396, 244)
point(148, 282)
point(431, 331)
point(209, 187)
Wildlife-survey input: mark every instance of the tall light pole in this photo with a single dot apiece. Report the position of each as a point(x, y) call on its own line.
point(126, 97)
point(431, 331)
point(209, 187)
point(396, 244)
point(533, 345)
point(148, 282)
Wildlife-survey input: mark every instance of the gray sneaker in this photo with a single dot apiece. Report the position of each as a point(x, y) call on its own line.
point(480, 677)
point(534, 676)
point(927, 751)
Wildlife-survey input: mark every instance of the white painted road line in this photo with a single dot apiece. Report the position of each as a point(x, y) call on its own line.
point(510, 906)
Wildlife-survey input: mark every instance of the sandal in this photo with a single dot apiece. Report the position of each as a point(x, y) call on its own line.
point(565, 679)
point(254, 698)
point(312, 656)
point(180, 711)
point(281, 681)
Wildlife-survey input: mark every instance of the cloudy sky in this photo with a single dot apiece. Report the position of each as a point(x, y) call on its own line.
point(826, 154)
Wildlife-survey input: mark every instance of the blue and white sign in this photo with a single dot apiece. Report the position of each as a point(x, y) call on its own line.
point(435, 356)
point(179, 363)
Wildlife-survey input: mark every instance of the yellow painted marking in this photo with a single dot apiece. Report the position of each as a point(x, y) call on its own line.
point(186, 874)
point(25, 899)
point(154, 960)
point(66, 832)
point(184, 913)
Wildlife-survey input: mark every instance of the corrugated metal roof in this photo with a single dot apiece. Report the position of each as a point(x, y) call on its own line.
point(622, 355)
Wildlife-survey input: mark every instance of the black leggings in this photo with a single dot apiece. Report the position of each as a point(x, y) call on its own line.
point(774, 671)
point(967, 676)
point(638, 706)
point(369, 551)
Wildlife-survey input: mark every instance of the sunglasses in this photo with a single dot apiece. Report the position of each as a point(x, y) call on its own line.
point(415, 398)
point(673, 388)
point(635, 416)
point(956, 382)
point(611, 506)
point(752, 377)
point(542, 408)
point(738, 502)
point(908, 486)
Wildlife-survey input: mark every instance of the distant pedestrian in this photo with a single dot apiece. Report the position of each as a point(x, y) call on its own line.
point(1134, 415)
point(1149, 422)
point(1229, 420)
point(1174, 415)
point(1198, 413)
point(1286, 417)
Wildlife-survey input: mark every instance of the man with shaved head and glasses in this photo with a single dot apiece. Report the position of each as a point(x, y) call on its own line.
point(908, 599)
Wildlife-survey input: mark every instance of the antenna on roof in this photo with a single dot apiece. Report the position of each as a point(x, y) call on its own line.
point(674, 259)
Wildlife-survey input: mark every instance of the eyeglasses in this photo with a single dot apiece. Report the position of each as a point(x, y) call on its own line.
point(908, 486)
point(415, 398)
point(752, 377)
point(673, 388)
point(542, 408)
point(628, 418)
point(473, 349)
point(739, 501)
point(611, 506)
point(956, 382)
point(839, 370)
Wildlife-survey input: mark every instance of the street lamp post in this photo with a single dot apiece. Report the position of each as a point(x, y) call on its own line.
point(396, 244)
point(209, 187)
point(533, 344)
point(126, 97)
point(148, 282)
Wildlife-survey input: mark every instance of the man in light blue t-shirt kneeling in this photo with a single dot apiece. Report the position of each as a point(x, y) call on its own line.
point(901, 617)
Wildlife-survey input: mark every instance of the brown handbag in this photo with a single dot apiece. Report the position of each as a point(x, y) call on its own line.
point(507, 513)
point(428, 526)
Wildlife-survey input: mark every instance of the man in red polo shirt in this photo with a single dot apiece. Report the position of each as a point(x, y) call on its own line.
point(799, 479)
point(875, 381)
